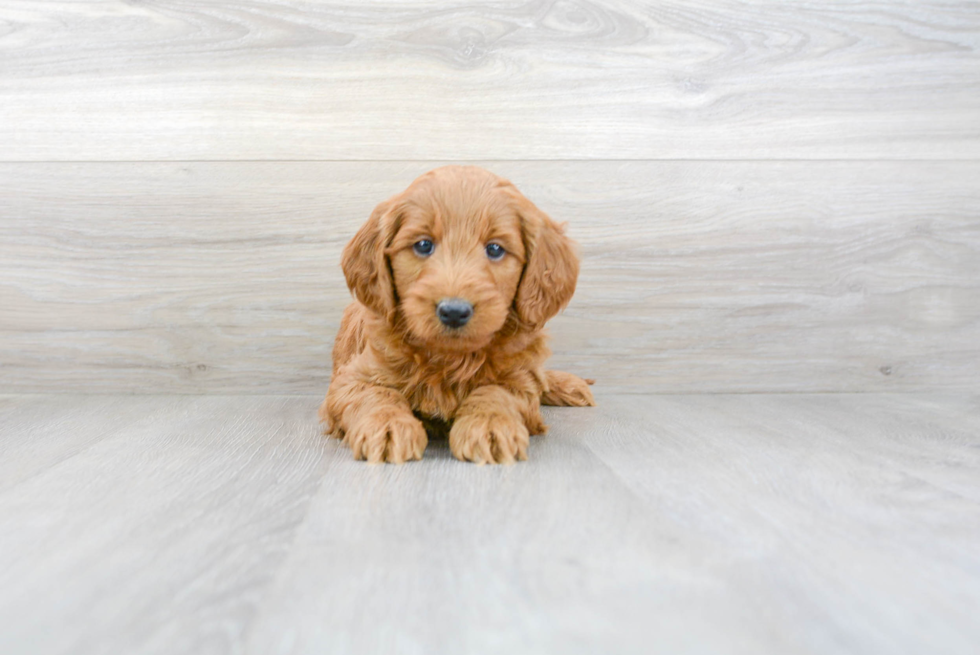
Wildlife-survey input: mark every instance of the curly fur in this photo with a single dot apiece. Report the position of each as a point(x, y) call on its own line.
point(399, 374)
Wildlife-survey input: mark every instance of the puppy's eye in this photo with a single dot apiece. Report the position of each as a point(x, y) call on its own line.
point(495, 251)
point(423, 248)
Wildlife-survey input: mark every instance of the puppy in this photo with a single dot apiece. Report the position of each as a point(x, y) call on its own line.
point(454, 279)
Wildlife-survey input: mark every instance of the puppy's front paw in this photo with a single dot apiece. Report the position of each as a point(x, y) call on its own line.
point(489, 438)
point(387, 436)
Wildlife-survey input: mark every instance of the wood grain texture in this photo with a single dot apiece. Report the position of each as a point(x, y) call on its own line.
point(698, 524)
point(160, 537)
point(825, 502)
point(572, 79)
point(697, 276)
point(40, 432)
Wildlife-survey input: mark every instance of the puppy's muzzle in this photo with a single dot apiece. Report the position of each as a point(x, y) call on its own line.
point(454, 312)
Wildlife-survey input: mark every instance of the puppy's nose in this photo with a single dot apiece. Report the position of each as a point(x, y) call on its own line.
point(454, 312)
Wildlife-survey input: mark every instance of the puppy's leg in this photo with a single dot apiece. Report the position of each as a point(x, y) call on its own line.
point(491, 426)
point(567, 390)
point(376, 422)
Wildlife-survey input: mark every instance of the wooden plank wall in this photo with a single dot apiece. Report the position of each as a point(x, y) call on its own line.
point(769, 196)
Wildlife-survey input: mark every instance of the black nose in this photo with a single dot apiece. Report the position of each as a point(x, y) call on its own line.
point(454, 312)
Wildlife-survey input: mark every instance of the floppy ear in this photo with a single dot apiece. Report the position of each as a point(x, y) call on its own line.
point(366, 265)
point(550, 269)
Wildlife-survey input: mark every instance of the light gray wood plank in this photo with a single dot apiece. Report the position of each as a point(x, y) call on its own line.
point(708, 524)
point(450, 558)
point(38, 432)
point(699, 524)
point(853, 522)
point(696, 276)
point(575, 79)
point(161, 537)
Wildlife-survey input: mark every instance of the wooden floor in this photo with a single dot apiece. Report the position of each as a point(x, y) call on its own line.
point(711, 523)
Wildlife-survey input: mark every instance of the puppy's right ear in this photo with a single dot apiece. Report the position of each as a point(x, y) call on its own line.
point(365, 265)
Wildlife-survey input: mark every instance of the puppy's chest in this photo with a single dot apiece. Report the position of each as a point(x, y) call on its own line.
point(438, 393)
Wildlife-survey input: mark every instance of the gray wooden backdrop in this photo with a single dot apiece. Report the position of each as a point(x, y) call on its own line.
point(769, 196)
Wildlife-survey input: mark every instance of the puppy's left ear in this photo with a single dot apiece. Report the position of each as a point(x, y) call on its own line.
point(550, 268)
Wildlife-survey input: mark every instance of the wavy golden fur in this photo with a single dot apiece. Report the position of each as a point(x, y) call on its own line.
point(399, 371)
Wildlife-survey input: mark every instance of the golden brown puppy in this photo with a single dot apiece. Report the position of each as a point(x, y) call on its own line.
point(454, 279)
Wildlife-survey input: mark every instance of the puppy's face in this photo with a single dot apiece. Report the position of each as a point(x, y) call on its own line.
point(456, 254)
point(456, 259)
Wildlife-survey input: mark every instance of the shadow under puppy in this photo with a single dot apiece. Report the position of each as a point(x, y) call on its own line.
point(454, 279)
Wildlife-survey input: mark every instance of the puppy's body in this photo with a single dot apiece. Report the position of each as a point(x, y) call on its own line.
point(401, 360)
point(435, 383)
